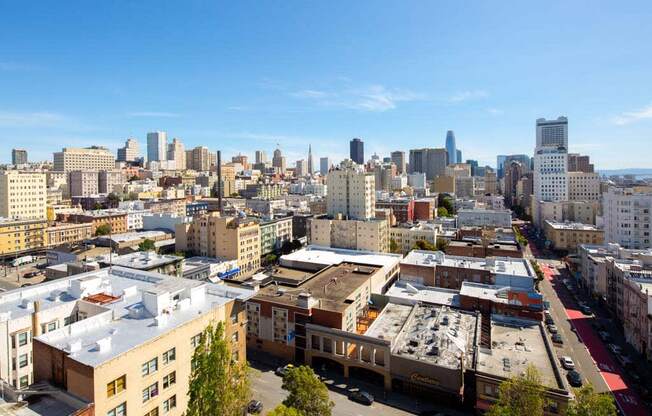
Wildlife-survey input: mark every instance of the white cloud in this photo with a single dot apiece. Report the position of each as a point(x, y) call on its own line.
point(470, 95)
point(633, 116)
point(154, 114)
point(23, 119)
point(375, 98)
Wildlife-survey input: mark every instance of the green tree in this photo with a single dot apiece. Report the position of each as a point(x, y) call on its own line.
point(103, 229)
point(393, 247)
point(521, 395)
point(424, 245)
point(307, 393)
point(147, 245)
point(219, 384)
point(283, 410)
point(442, 212)
point(589, 403)
point(446, 201)
point(271, 258)
point(113, 197)
point(97, 206)
point(441, 244)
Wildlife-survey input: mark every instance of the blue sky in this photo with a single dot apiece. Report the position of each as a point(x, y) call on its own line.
point(245, 75)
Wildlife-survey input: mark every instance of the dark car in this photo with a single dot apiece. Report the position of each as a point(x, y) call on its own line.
point(557, 339)
point(255, 406)
point(586, 310)
point(574, 378)
point(361, 397)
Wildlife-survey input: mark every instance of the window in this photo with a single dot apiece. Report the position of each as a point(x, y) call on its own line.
point(116, 386)
point(22, 361)
point(170, 379)
point(48, 327)
point(194, 341)
point(120, 410)
point(150, 392)
point(24, 382)
point(23, 338)
point(153, 412)
point(150, 367)
point(170, 404)
point(169, 356)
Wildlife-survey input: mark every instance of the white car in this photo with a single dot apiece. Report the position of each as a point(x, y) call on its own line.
point(567, 362)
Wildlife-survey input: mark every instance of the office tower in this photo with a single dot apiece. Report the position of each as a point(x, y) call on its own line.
point(301, 168)
point(157, 143)
point(583, 186)
point(514, 171)
point(504, 160)
point(278, 161)
point(500, 165)
point(89, 158)
point(430, 161)
point(18, 157)
point(473, 164)
point(177, 153)
point(551, 174)
point(324, 166)
point(22, 195)
point(351, 193)
point(130, 151)
point(490, 182)
point(626, 215)
point(398, 158)
point(450, 147)
point(241, 159)
point(552, 133)
point(310, 167)
point(261, 157)
point(200, 159)
point(579, 163)
point(458, 156)
point(357, 151)
point(383, 174)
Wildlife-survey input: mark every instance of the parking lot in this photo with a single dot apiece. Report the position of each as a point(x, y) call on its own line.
point(24, 275)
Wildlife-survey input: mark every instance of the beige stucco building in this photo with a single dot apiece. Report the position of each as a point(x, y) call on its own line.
point(370, 235)
point(90, 158)
point(568, 236)
point(23, 195)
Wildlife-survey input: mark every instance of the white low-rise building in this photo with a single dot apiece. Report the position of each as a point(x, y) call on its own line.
point(484, 218)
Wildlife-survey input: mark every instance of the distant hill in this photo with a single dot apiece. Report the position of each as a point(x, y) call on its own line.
point(631, 171)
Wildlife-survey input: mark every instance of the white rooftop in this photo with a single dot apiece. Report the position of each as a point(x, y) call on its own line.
point(404, 292)
point(327, 256)
point(497, 265)
point(138, 306)
point(134, 236)
point(142, 260)
point(571, 226)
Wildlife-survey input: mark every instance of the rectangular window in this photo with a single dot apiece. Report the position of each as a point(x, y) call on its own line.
point(120, 410)
point(153, 412)
point(150, 392)
point(22, 361)
point(169, 380)
point(23, 338)
point(169, 356)
point(150, 367)
point(170, 404)
point(194, 341)
point(116, 386)
point(24, 382)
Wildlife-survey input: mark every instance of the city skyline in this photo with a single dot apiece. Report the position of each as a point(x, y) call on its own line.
point(408, 84)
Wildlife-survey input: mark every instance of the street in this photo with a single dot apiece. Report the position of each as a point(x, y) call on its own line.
point(588, 351)
point(267, 388)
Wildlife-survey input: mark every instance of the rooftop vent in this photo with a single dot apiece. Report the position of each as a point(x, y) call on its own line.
point(26, 304)
point(75, 345)
point(103, 344)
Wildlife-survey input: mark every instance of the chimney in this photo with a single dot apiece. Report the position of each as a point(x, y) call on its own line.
point(36, 322)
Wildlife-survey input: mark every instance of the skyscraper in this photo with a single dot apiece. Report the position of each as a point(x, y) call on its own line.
point(278, 161)
point(324, 165)
point(552, 133)
point(18, 156)
point(357, 151)
point(310, 168)
point(157, 146)
point(398, 158)
point(450, 147)
point(458, 156)
point(130, 151)
point(430, 161)
point(261, 157)
point(503, 161)
point(177, 152)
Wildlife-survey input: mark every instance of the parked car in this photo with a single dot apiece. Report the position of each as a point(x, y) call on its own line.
point(567, 362)
point(586, 310)
point(282, 371)
point(548, 318)
point(604, 336)
point(255, 407)
point(32, 274)
point(615, 349)
point(361, 397)
point(574, 378)
point(553, 329)
point(557, 339)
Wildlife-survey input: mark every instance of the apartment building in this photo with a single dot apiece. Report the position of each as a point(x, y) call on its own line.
point(583, 186)
point(21, 236)
point(274, 233)
point(22, 195)
point(109, 179)
point(67, 233)
point(351, 193)
point(637, 307)
point(119, 338)
point(484, 218)
point(229, 237)
point(116, 219)
point(83, 183)
point(568, 236)
point(130, 152)
point(401, 209)
point(406, 237)
point(91, 158)
point(370, 235)
point(626, 215)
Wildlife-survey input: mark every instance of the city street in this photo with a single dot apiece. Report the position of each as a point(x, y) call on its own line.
point(267, 388)
point(588, 351)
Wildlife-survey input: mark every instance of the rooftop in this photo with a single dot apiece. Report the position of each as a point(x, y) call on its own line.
point(134, 236)
point(143, 260)
point(134, 308)
point(326, 256)
point(515, 344)
point(497, 265)
point(571, 226)
point(331, 287)
point(409, 292)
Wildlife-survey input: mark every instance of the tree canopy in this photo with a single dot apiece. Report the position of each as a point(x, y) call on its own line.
point(424, 245)
point(307, 393)
point(103, 229)
point(219, 384)
point(589, 403)
point(283, 410)
point(520, 395)
point(147, 245)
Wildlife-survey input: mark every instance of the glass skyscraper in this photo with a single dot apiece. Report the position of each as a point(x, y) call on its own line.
point(450, 147)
